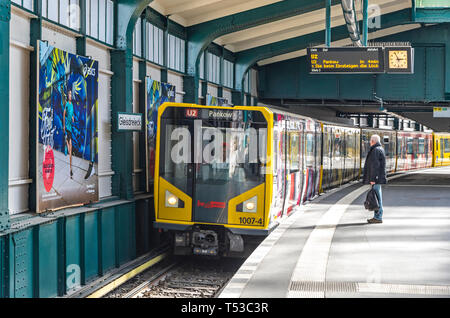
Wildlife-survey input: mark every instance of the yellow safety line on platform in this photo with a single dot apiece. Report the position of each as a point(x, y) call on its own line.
point(124, 278)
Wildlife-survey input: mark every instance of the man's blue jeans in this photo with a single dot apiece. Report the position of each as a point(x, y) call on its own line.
point(379, 214)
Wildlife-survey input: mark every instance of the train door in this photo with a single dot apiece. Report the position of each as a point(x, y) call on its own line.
point(364, 149)
point(310, 158)
point(344, 154)
point(441, 148)
point(401, 152)
point(410, 153)
point(338, 155)
point(386, 141)
point(318, 158)
point(279, 166)
point(294, 184)
point(357, 155)
point(326, 158)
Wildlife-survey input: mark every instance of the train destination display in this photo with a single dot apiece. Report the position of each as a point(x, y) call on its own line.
point(346, 60)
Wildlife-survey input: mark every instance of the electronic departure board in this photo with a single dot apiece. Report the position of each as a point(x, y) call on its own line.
point(346, 60)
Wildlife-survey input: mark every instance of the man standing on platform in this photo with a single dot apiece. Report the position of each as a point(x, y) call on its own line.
point(375, 173)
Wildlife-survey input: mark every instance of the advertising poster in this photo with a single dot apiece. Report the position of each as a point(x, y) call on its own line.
point(157, 94)
point(67, 145)
point(216, 101)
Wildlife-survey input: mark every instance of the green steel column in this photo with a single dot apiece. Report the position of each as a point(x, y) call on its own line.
point(447, 71)
point(165, 52)
point(205, 78)
point(221, 71)
point(328, 23)
point(248, 99)
point(126, 14)
point(5, 17)
point(365, 22)
point(122, 101)
point(142, 105)
point(35, 35)
point(81, 41)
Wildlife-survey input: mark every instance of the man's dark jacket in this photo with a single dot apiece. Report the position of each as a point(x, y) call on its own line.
point(375, 166)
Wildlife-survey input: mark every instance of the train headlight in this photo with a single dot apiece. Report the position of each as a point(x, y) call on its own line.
point(171, 200)
point(251, 205)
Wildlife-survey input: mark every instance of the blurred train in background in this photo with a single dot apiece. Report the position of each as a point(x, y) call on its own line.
point(273, 161)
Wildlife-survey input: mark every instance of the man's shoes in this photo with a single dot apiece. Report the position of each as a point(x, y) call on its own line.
point(373, 220)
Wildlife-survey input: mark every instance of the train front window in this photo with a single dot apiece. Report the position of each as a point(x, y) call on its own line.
point(228, 156)
point(175, 157)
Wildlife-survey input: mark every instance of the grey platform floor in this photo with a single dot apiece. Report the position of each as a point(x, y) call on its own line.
point(327, 248)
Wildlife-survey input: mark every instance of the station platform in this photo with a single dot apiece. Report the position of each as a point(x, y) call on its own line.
point(327, 248)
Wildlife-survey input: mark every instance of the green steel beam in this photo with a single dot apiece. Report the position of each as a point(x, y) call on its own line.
point(5, 17)
point(328, 22)
point(246, 59)
point(440, 34)
point(201, 35)
point(365, 22)
point(432, 15)
point(126, 14)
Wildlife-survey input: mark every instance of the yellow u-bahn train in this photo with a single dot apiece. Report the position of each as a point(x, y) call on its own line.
point(226, 175)
point(441, 142)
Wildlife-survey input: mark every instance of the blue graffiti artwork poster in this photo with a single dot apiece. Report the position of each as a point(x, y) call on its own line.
point(67, 131)
point(157, 94)
point(216, 101)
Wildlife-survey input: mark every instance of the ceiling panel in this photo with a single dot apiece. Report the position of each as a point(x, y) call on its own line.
point(190, 12)
point(297, 26)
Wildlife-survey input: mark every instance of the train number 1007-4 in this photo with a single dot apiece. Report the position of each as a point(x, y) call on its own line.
point(250, 221)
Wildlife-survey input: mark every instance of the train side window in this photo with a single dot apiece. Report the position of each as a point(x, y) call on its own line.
point(276, 147)
point(446, 145)
point(386, 143)
point(409, 146)
point(309, 150)
point(294, 152)
point(421, 146)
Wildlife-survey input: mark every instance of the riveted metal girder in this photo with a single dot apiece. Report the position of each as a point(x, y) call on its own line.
point(201, 35)
point(246, 59)
point(127, 13)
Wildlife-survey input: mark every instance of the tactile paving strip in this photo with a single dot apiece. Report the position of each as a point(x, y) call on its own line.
point(319, 289)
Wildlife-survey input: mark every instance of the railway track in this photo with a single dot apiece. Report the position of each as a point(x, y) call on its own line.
point(181, 278)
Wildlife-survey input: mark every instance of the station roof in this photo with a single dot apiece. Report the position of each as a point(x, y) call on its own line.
point(308, 17)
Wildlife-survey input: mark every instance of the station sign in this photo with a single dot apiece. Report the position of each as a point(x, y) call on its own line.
point(361, 60)
point(129, 122)
point(441, 112)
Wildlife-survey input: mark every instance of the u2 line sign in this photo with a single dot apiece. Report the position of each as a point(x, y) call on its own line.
point(129, 122)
